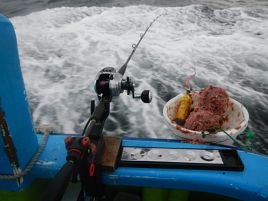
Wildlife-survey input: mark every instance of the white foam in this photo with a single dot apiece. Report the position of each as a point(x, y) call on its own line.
point(62, 49)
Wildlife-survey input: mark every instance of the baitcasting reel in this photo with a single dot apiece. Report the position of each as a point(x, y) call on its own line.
point(111, 83)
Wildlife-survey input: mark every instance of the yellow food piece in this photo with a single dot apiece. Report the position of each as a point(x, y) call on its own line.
point(184, 107)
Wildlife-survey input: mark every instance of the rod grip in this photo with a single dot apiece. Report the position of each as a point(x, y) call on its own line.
point(59, 184)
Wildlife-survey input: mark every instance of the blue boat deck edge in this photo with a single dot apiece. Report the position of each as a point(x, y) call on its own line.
point(244, 185)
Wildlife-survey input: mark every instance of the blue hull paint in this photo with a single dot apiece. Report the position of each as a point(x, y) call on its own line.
point(14, 105)
point(250, 184)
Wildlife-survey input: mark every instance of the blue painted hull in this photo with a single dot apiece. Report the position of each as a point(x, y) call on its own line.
point(250, 184)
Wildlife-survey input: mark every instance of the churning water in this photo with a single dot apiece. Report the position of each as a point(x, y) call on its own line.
point(62, 49)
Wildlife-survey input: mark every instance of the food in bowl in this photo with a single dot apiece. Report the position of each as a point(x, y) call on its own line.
point(209, 111)
point(233, 121)
point(203, 120)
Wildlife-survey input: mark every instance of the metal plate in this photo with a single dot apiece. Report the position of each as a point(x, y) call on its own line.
point(197, 156)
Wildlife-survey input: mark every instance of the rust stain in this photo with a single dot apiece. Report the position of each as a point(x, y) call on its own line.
point(8, 143)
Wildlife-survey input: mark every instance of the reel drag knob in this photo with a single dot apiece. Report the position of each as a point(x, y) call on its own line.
point(146, 96)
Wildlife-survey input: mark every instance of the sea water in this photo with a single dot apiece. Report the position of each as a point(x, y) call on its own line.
point(63, 48)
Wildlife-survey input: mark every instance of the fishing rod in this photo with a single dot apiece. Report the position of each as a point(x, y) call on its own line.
point(135, 46)
point(84, 152)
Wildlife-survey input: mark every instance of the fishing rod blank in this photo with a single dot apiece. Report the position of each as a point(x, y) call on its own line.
point(135, 46)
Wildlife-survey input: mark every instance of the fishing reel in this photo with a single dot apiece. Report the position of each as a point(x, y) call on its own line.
point(111, 83)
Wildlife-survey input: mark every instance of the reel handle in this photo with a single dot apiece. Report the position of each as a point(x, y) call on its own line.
point(145, 96)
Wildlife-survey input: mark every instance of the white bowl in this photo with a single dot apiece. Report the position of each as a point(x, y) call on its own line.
point(237, 121)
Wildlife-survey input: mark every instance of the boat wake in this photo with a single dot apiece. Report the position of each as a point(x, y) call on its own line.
point(62, 49)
